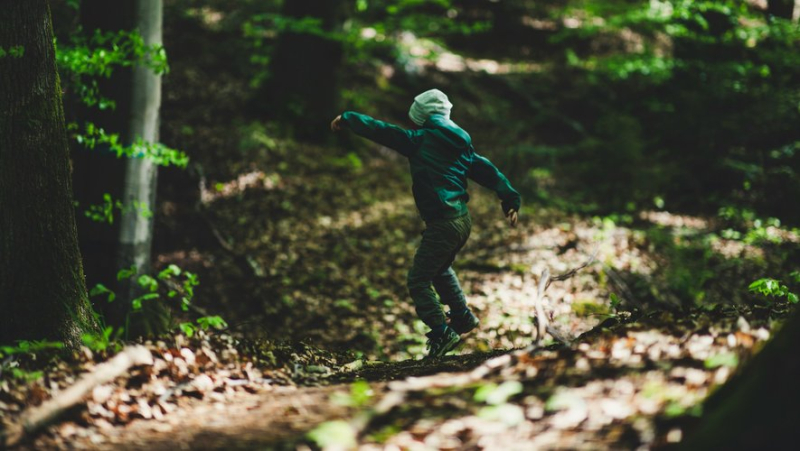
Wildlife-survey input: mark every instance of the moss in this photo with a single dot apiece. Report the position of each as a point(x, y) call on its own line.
point(589, 308)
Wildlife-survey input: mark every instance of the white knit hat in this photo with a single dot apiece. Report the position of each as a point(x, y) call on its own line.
point(428, 103)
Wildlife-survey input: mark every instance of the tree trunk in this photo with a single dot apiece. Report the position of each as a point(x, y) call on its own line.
point(304, 88)
point(127, 242)
point(136, 230)
point(781, 8)
point(758, 408)
point(42, 290)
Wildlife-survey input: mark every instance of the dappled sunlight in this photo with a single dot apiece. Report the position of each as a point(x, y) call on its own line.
point(209, 16)
point(185, 259)
point(372, 214)
point(426, 54)
point(237, 186)
point(667, 219)
point(635, 252)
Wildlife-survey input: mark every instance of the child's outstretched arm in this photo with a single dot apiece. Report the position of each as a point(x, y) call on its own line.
point(389, 135)
point(487, 175)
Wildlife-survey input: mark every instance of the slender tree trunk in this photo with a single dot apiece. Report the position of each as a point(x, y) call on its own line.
point(42, 290)
point(127, 242)
point(304, 88)
point(136, 230)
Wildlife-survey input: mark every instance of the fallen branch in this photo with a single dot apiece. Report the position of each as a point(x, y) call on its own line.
point(541, 317)
point(575, 270)
point(542, 323)
point(35, 418)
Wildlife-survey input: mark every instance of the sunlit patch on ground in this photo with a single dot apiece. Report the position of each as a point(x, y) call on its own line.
point(184, 259)
point(255, 179)
point(667, 219)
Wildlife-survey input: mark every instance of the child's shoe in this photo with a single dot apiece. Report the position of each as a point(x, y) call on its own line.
point(441, 344)
point(462, 322)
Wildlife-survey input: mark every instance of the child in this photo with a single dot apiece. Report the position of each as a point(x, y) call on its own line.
point(441, 158)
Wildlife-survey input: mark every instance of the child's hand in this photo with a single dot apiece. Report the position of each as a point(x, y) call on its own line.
point(336, 123)
point(512, 217)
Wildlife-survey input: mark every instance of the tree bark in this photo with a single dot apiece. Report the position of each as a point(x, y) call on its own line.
point(42, 289)
point(781, 8)
point(758, 408)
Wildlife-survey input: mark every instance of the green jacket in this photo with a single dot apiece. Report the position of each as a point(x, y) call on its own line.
point(441, 158)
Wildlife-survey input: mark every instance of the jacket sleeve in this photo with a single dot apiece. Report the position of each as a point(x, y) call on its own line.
point(405, 142)
point(487, 175)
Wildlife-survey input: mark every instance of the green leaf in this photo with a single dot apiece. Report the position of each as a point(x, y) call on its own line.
point(207, 322)
point(169, 271)
point(102, 289)
point(508, 414)
point(361, 392)
point(148, 282)
point(188, 329)
point(564, 399)
point(728, 359)
point(494, 394)
point(126, 273)
point(334, 434)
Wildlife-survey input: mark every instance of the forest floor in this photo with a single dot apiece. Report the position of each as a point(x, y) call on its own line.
point(626, 372)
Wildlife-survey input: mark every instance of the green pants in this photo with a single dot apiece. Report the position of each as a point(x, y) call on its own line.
point(441, 241)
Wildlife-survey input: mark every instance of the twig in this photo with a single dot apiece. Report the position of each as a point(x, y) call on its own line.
point(541, 318)
point(542, 323)
point(36, 418)
point(574, 271)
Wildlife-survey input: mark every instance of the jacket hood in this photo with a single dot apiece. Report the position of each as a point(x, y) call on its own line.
point(450, 131)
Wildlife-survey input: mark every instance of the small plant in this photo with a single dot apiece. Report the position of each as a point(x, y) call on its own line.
point(105, 212)
point(29, 347)
point(109, 338)
point(203, 323)
point(772, 288)
point(13, 52)
point(85, 60)
point(156, 152)
point(172, 282)
point(168, 278)
point(23, 347)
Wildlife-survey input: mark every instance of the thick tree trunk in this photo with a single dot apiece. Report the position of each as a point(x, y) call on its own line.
point(781, 8)
point(136, 230)
point(757, 409)
point(304, 88)
point(42, 291)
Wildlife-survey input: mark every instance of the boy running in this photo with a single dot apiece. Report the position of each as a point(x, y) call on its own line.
point(441, 158)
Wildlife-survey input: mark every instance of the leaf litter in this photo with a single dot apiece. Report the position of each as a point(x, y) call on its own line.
point(630, 378)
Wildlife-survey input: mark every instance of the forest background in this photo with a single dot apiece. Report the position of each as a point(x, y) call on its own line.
point(663, 134)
